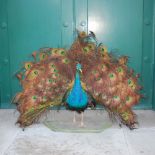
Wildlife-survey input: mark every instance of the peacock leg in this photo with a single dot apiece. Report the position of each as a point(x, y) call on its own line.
point(82, 118)
point(74, 118)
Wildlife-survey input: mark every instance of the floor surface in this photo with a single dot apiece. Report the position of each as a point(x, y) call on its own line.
point(38, 139)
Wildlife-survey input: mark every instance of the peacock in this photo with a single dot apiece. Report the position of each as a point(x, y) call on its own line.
point(82, 76)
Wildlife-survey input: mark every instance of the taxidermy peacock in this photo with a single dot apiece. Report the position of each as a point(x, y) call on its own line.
point(81, 77)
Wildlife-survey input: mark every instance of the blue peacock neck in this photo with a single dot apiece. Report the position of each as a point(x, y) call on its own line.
point(77, 81)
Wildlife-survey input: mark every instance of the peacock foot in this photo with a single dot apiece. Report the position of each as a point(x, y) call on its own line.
point(74, 118)
point(82, 125)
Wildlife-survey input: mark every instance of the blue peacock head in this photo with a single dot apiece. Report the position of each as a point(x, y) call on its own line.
point(79, 67)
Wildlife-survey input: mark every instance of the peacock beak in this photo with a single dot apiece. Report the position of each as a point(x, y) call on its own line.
point(80, 70)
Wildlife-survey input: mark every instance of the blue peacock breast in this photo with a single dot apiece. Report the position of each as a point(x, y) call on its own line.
point(77, 97)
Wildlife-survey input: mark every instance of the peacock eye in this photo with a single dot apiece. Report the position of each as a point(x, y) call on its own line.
point(129, 81)
point(34, 97)
point(66, 61)
point(119, 69)
point(86, 49)
point(36, 72)
point(55, 51)
point(133, 86)
point(94, 72)
point(91, 46)
point(103, 66)
point(62, 52)
point(52, 65)
point(111, 75)
point(55, 70)
point(102, 49)
point(50, 80)
point(127, 98)
point(42, 56)
point(115, 97)
point(28, 65)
